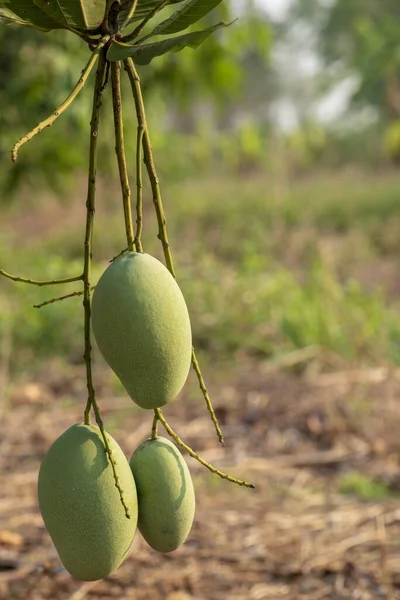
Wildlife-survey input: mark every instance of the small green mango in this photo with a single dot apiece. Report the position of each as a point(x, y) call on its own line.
point(165, 494)
point(142, 328)
point(81, 506)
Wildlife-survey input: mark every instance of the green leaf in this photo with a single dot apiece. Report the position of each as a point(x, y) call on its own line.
point(143, 54)
point(28, 11)
point(8, 20)
point(143, 8)
point(186, 15)
point(7, 16)
point(75, 14)
point(53, 11)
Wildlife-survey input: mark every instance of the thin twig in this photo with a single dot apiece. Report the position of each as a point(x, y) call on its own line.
point(106, 77)
point(92, 41)
point(124, 251)
point(59, 299)
point(149, 162)
point(40, 283)
point(162, 224)
point(210, 408)
point(139, 189)
point(193, 454)
point(120, 152)
point(63, 107)
point(90, 210)
point(136, 32)
point(113, 464)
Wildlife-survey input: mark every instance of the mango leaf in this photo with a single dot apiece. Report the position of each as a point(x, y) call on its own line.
point(75, 14)
point(125, 13)
point(143, 8)
point(7, 20)
point(52, 10)
point(7, 16)
point(29, 12)
point(143, 54)
point(187, 14)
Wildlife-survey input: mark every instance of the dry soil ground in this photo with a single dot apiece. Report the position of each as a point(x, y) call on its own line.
point(295, 536)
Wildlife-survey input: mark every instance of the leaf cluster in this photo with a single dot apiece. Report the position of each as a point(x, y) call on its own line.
point(93, 19)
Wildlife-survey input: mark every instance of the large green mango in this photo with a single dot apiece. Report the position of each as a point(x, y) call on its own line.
point(81, 506)
point(142, 327)
point(165, 494)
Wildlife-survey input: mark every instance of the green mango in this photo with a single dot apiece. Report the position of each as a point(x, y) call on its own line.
point(142, 328)
point(165, 494)
point(81, 506)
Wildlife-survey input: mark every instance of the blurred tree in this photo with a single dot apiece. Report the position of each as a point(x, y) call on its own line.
point(358, 38)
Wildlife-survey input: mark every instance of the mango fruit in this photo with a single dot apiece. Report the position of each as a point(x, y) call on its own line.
point(141, 325)
point(81, 506)
point(165, 494)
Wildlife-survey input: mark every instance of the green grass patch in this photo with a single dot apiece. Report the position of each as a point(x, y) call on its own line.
point(252, 262)
point(363, 487)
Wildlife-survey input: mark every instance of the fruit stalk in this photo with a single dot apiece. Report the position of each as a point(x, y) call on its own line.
point(162, 224)
point(193, 454)
point(90, 210)
point(202, 385)
point(139, 189)
point(120, 152)
point(40, 283)
point(59, 299)
point(149, 162)
point(154, 432)
point(64, 105)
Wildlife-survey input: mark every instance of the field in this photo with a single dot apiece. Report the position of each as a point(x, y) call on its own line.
point(293, 289)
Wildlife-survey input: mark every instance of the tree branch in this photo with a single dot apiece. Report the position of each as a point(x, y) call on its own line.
point(63, 107)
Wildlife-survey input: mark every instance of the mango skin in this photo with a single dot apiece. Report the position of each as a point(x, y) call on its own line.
point(80, 504)
point(165, 494)
point(141, 325)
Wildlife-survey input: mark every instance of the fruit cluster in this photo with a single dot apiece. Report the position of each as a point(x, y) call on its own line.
point(90, 505)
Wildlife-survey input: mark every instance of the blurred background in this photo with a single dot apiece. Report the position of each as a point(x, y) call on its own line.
point(278, 147)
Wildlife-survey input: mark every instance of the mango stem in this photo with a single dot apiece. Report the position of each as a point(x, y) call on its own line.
point(193, 454)
point(90, 210)
point(64, 105)
point(139, 189)
point(39, 282)
point(154, 432)
point(120, 152)
point(59, 299)
point(159, 209)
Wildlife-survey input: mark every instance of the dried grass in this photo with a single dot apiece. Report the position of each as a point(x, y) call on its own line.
point(294, 537)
